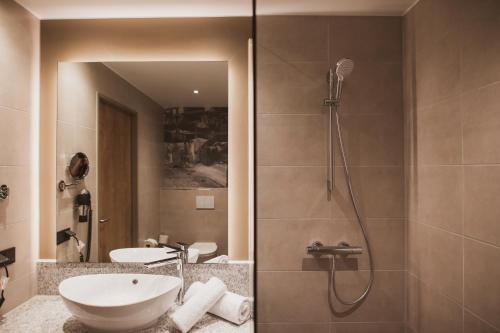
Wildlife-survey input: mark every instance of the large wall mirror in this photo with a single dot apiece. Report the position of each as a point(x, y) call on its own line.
point(160, 147)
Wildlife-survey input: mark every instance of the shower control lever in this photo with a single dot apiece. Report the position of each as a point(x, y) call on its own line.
point(343, 248)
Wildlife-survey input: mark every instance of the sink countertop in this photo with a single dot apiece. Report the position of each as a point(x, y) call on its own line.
point(44, 314)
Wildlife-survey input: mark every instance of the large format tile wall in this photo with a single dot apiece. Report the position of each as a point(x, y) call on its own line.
point(293, 55)
point(182, 222)
point(452, 113)
point(19, 38)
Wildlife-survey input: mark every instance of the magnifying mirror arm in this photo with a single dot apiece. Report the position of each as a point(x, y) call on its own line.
point(62, 185)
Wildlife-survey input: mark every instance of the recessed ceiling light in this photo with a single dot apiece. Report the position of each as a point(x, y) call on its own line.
point(196, 92)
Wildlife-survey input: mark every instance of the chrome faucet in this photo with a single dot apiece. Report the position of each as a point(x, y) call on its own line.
point(181, 252)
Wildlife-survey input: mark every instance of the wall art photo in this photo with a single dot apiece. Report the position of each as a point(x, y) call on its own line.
point(195, 147)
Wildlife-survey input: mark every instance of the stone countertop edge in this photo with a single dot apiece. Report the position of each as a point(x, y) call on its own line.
point(47, 313)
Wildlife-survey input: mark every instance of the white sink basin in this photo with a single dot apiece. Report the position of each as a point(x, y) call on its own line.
point(148, 254)
point(119, 302)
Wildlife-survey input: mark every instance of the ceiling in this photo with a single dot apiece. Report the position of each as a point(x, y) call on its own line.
point(334, 7)
point(171, 83)
point(92, 9)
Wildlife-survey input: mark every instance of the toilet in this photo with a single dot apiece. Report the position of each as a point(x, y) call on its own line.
point(207, 250)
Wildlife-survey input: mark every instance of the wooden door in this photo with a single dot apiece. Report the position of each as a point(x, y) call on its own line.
point(115, 178)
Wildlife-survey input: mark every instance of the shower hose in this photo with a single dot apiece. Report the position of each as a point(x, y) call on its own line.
point(332, 281)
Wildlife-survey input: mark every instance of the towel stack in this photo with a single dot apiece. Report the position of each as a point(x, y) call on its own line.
point(210, 297)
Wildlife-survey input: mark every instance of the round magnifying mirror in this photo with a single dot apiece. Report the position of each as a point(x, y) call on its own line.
point(79, 166)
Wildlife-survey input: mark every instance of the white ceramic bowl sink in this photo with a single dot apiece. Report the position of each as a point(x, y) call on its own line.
point(148, 254)
point(119, 302)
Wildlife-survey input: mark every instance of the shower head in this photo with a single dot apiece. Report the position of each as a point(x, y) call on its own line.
point(344, 68)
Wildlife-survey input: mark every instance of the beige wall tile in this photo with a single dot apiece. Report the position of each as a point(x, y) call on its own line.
point(430, 312)
point(473, 324)
point(308, 289)
point(65, 145)
point(434, 20)
point(439, 196)
point(291, 140)
point(480, 46)
point(288, 192)
point(77, 97)
point(482, 280)
point(436, 259)
point(439, 133)
point(297, 38)
point(148, 215)
point(372, 140)
point(18, 29)
point(15, 129)
point(384, 303)
point(282, 244)
point(481, 210)
point(215, 229)
point(368, 327)
point(481, 125)
point(293, 328)
point(379, 192)
point(366, 38)
point(85, 140)
point(179, 225)
point(438, 71)
point(181, 221)
point(387, 239)
point(291, 87)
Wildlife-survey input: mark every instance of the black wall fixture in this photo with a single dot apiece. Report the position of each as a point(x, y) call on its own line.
point(10, 254)
point(62, 236)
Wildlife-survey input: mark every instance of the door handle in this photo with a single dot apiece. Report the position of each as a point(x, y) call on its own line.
point(104, 220)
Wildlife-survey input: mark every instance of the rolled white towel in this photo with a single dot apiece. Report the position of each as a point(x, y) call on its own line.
point(150, 242)
point(187, 315)
point(223, 259)
point(232, 307)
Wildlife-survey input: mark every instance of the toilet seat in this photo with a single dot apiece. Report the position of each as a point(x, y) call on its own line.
point(205, 249)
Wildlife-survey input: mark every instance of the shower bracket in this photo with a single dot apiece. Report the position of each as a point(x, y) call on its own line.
point(331, 102)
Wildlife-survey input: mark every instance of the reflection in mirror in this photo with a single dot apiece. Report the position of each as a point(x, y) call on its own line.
point(78, 169)
point(156, 135)
point(79, 166)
